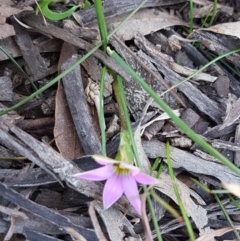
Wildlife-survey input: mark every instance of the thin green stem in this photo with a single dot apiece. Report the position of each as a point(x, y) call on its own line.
point(101, 114)
point(191, 16)
point(124, 117)
point(181, 124)
point(179, 199)
point(201, 69)
point(214, 11)
point(101, 23)
point(19, 67)
point(52, 82)
point(14, 158)
point(154, 220)
point(118, 96)
point(227, 216)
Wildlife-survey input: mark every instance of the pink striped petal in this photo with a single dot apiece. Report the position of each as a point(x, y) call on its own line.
point(112, 191)
point(103, 160)
point(144, 179)
point(131, 191)
point(98, 174)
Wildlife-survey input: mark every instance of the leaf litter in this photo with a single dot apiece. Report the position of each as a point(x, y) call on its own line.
point(156, 44)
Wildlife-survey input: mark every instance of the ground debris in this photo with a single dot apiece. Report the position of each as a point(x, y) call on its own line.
point(44, 142)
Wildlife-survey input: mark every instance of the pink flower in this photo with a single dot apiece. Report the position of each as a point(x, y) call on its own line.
point(121, 178)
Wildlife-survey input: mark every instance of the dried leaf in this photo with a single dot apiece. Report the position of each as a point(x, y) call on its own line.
point(6, 30)
point(146, 21)
point(64, 131)
point(231, 29)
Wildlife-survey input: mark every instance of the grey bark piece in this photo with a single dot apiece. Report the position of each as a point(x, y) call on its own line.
point(37, 23)
point(219, 44)
point(113, 8)
point(200, 100)
point(6, 93)
point(237, 141)
point(187, 161)
point(79, 109)
point(135, 95)
point(30, 54)
point(190, 117)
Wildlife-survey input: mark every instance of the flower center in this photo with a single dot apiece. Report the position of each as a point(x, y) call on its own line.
point(120, 170)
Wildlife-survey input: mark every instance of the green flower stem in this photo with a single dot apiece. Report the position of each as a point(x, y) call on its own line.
point(117, 93)
point(101, 114)
point(181, 124)
point(101, 23)
point(177, 194)
point(191, 16)
point(52, 82)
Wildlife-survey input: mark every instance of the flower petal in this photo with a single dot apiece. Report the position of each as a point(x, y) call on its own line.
point(144, 179)
point(112, 191)
point(98, 174)
point(103, 160)
point(131, 191)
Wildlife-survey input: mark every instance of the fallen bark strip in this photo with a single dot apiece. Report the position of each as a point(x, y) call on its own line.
point(58, 166)
point(200, 100)
point(35, 62)
point(37, 24)
point(135, 95)
point(113, 8)
point(77, 102)
point(36, 236)
point(187, 161)
point(44, 212)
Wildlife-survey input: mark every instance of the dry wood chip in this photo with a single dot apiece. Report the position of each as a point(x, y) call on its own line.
point(44, 212)
point(203, 11)
point(112, 218)
point(36, 64)
point(185, 71)
point(219, 44)
point(6, 90)
point(202, 102)
point(220, 7)
point(111, 9)
point(189, 162)
point(226, 145)
point(233, 115)
point(198, 213)
point(216, 233)
point(79, 109)
point(6, 11)
point(237, 141)
point(136, 97)
point(37, 23)
point(37, 236)
point(12, 212)
point(6, 30)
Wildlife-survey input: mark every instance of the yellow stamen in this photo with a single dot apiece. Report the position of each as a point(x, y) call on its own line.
point(120, 170)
